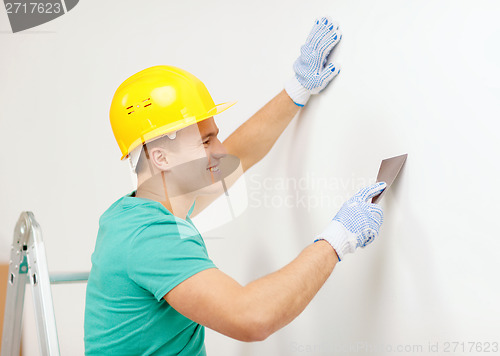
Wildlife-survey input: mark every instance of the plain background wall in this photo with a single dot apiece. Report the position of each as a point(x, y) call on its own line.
point(418, 77)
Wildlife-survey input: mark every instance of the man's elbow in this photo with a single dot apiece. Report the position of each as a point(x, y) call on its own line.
point(260, 333)
point(257, 327)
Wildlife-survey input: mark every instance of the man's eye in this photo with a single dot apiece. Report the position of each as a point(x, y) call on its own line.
point(206, 142)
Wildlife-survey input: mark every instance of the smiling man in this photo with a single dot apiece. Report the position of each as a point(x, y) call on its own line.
point(153, 288)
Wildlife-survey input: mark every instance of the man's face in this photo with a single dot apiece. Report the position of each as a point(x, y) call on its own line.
point(214, 149)
point(194, 158)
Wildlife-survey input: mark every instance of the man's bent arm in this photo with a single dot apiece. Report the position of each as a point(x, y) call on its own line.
point(256, 136)
point(281, 296)
point(254, 312)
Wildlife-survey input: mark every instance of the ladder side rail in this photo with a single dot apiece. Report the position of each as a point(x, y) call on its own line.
point(16, 288)
point(42, 295)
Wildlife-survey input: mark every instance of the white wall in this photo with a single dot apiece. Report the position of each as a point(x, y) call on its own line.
point(418, 77)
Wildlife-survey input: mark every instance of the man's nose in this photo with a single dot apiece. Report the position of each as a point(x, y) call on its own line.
point(217, 151)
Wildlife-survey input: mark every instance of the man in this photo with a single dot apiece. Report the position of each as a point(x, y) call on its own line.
point(152, 288)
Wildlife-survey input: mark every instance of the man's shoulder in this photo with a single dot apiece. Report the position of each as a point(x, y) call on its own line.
point(129, 207)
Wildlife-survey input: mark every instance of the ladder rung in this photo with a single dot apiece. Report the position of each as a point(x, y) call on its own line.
point(75, 277)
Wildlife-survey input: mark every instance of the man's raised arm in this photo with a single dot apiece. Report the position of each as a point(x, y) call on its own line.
point(255, 137)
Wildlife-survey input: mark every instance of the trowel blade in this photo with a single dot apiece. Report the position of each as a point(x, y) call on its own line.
point(389, 170)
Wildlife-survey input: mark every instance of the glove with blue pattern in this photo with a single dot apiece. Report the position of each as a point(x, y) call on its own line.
point(357, 223)
point(312, 73)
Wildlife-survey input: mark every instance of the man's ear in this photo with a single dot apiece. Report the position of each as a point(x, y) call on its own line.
point(158, 157)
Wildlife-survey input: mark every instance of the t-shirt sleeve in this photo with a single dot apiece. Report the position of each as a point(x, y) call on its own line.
point(164, 254)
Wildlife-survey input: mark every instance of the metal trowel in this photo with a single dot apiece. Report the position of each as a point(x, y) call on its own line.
point(389, 170)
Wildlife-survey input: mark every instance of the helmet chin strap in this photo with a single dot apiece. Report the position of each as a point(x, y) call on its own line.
point(164, 185)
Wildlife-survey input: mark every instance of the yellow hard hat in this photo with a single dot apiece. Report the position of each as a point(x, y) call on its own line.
point(156, 101)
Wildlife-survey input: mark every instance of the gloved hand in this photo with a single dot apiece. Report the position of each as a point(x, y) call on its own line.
point(312, 74)
point(357, 223)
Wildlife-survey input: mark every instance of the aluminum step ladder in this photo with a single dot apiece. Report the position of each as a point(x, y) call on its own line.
point(28, 263)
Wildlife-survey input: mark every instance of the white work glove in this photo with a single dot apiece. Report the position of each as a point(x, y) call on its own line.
point(357, 223)
point(312, 74)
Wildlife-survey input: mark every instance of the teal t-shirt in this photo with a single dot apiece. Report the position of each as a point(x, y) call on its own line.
point(142, 252)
